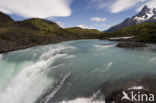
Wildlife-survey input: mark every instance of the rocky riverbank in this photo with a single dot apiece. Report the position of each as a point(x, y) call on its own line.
point(140, 89)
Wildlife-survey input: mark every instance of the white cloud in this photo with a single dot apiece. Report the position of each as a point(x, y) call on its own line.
point(149, 3)
point(98, 19)
point(36, 8)
point(122, 5)
point(85, 27)
point(117, 6)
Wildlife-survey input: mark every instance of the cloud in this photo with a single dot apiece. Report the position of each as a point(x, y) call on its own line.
point(85, 27)
point(36, 8)
point(149, 3)
point(117, 6)
point(122, 5)
point(98, 19)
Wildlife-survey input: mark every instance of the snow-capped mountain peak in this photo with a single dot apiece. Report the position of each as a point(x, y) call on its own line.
point(147, 14)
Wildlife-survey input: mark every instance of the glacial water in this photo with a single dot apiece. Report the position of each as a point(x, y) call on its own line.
point(69, 72)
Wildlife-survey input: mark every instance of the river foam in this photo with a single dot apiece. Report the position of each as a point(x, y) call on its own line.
point(57, 88)
point(30, 79)
point(1, 56)
point(69, 72)
point(153, 59)
point(82, 100)
point(108, 66)
point(104, 46)
point(26, 83)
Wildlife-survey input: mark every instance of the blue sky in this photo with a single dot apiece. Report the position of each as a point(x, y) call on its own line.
point(98, 14)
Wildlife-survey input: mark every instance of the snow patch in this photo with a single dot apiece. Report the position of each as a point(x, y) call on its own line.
point(147, 15)
point(128, 37)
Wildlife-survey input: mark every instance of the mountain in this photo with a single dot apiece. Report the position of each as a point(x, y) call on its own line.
point(16, 35)
point(145, 15)
point(143, 32)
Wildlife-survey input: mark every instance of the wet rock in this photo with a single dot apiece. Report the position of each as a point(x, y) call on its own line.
point(131, 45)
point(142, 88)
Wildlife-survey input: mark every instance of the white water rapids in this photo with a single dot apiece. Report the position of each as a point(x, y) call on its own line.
point(68, 72)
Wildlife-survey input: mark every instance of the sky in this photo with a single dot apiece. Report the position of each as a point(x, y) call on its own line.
point(90, 14)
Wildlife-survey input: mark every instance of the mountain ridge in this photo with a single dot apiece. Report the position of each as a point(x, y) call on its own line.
point(145, 15)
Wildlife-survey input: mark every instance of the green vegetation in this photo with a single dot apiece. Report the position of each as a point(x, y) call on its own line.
point(145, 32)
point(45, 27)
point(84, 33)
point(22, 34)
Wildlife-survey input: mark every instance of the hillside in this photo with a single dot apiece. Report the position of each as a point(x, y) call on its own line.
point(84, 33)
point(145, 32)
point(5, 18)
point(31, 32)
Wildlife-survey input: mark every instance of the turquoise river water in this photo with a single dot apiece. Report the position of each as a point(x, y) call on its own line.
point(68, 72)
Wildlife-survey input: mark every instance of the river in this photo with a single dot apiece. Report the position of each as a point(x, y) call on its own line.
point(68, 72)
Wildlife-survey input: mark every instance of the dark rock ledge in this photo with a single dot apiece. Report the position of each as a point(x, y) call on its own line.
point(131, 45)
point(113, 91)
